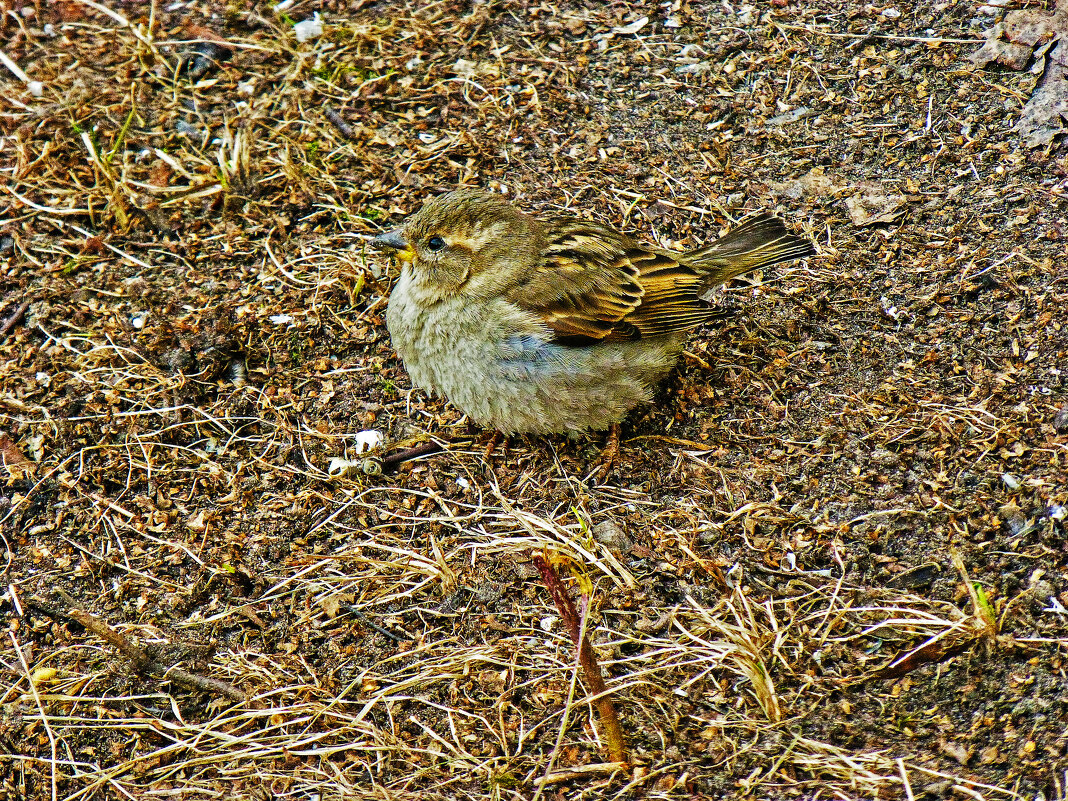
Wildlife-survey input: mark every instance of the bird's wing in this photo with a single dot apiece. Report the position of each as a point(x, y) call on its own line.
point(594, 284)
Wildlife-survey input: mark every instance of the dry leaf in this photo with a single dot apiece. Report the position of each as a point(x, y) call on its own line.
point(874, 203)
point(13, 459)
point(1045, 113)
point(633, 27)
point(816, 183)
point(331, 605)
point(1024, 35)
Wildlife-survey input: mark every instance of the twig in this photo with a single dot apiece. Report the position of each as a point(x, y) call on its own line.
point(582, 772)
point(13, 320)
point(572, 685)
point(905, 779)
point(141, 661)
point(617, 749)
point(391, 461)
point(933, 652)
point(888, 36)
point(339, 122)
point(360, 615)
point(40, 708)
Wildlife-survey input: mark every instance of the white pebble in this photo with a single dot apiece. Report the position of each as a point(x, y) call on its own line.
point(280, 319)
point(1010, 481)
point(308, 29)
point(36, 88)
point(368, 440)
point(342, 467)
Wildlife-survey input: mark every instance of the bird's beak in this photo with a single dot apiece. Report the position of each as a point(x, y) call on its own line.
point(395, 241)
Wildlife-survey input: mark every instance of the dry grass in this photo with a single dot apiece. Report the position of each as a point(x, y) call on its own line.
point(811, 579)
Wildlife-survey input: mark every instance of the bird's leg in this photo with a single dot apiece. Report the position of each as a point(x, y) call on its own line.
point(610, 453)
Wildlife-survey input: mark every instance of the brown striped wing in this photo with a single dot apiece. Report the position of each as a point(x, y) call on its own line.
point(597, 285)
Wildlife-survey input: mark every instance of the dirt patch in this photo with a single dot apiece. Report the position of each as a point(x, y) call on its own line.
point(833, 563)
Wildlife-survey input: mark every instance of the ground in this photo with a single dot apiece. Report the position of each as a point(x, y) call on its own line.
point(832, 561)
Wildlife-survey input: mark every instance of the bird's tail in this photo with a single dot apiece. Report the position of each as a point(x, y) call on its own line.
point(757, 241)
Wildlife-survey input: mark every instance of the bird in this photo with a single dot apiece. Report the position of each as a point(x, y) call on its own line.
point(552, 324)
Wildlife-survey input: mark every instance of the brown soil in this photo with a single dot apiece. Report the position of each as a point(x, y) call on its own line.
point(832, 563)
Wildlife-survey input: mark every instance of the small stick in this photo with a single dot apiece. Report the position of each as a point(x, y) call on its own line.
point(359, 614)
point(142, 662)
point(339, 123)
point(391, 461)
point(617, 750)
point(932, 653)
point(581, 772)
point(13, 320)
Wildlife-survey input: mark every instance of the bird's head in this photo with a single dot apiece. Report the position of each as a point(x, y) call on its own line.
point(468, 240)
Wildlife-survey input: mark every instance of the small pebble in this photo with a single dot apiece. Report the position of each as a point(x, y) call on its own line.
point(1043, 591)
point(1010, 481)
point(609, 534)
point(1055, 605)
point(368, 440)
point(204, 57)
point(344, 467)
point(881, 456)
point(236, 373)
point(1014, 517)
point(1060, 420)
point(308, 29)
point(186, 129)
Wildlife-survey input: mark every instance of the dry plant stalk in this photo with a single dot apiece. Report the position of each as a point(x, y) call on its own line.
point(980, 605)
point(142, 662)
point(617, 750)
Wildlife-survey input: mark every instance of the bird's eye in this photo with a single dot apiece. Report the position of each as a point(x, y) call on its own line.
point(435, 243)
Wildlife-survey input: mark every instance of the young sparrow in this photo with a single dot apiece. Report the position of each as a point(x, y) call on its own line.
point(552, 324)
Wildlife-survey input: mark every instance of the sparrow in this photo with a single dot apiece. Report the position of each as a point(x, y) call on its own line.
point(552, 324)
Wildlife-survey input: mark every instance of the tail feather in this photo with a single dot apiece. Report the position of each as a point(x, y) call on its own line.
point(758, 241)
